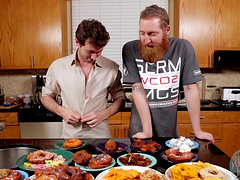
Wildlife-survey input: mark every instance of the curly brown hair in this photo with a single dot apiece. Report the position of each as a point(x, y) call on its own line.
point(155, 11)
point(94, 31)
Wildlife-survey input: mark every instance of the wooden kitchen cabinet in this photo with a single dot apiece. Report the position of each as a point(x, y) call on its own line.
point(33, 33)
point(12, 130)
point(119, 124)
point(224, 126)
point(208, 25)
point(211, 121)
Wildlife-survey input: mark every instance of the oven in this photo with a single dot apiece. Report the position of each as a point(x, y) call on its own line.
point(39, 123)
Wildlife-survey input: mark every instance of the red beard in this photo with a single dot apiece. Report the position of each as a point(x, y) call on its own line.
point(155, 52)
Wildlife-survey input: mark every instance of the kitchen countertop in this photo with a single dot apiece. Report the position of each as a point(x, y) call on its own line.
point(206, 151)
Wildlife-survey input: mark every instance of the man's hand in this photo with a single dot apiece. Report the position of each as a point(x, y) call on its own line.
point(70, 116)
point(141, 135)
point(92, 119)
point(205, 135)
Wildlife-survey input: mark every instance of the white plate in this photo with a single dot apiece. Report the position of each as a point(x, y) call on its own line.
point(138, 168)
point(230, 176)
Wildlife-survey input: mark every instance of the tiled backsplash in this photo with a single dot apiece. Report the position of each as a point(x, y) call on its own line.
point(19, 82)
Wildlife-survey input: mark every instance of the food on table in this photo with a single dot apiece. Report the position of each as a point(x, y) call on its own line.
point(100, 161)
point(177, 142)
point(192, 171)
point(62, 172)
point(110, 145)
point(152, 175)
point(117, 174)
point(72, 143)
point(183, 154)
point(212, 172)
point(41, 159)
point(143, 146)
point(134, 159)
point(82, 157)
point(8, 174)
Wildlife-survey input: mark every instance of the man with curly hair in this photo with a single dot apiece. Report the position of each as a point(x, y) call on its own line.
point(84, 80)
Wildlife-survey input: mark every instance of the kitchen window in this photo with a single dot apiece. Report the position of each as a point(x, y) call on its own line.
point(120, 17)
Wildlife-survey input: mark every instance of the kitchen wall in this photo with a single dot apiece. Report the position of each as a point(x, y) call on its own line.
point(16, 82)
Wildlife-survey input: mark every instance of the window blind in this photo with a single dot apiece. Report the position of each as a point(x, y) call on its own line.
point(120, 17)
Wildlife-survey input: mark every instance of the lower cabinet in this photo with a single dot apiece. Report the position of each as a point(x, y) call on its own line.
point(12, 130)
point(223, 125)
point(119, 124)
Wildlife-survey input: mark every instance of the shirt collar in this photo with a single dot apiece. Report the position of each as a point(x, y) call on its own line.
point(75, 61)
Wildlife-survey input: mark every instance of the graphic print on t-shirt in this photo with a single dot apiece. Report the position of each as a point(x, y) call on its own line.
point(160, 81)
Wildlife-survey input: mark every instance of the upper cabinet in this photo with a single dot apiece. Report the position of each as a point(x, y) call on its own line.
point(32, 33)
point(209, 25)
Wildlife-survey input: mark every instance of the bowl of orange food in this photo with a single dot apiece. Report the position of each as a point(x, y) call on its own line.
point(198, 170)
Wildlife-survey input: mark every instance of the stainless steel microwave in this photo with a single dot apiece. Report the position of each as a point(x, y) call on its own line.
point(227, 58)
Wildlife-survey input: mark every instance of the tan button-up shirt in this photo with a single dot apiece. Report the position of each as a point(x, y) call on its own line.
point(66, 78)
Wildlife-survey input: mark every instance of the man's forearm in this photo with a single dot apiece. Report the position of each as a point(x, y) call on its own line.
point(116, 106)
point(51, 105)
point(141, 102)
point(193, 104)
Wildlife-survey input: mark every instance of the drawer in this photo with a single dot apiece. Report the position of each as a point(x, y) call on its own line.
point(9, 118)
point(126, 117)
point(115, 119)
point(205, 117)
point(10, 132)
point(187, 131)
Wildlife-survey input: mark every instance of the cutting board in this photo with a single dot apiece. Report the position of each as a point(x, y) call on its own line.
point(9, 107)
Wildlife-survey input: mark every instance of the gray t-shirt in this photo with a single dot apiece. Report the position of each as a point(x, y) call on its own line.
point(161, 81)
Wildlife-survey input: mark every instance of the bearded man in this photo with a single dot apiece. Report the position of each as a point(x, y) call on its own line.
point(157, 66)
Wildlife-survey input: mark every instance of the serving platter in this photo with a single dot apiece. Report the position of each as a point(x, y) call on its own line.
point(137, 168)
point(148, 152)
point(153, 159)
point(101, 148)
point(66, 155)
point(230, 175)
point(164, 157)
point(87, 167)
point(194, 147)
point(59, 145)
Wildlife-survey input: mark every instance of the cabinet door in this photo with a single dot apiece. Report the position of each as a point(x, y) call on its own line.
point(195, 21)
point(230, 138)
point(32, 33)
point(227, 30)
point(116, 131)
point(14, 34)
point(45, 31)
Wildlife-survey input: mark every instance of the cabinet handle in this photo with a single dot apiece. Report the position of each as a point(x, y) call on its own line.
point(191, 132)
point(116, 132)
point(2, 126)
point(126, 132)
point(2, 120)
point(202, 117)
point(210, 60)
point(32, 61)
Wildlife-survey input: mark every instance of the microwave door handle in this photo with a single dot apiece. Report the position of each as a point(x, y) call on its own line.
point(235, 92)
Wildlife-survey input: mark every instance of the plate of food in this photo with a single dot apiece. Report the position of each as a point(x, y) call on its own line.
point(198, 170)
point(149, 147)
point(62, 172)
point(177, 142)
point(13, 174)
point(41, 159)
point(136, 159)
point(98, 162)
point(111, 147)
point(70, 144)
point(165, 157)
point(130, 172)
